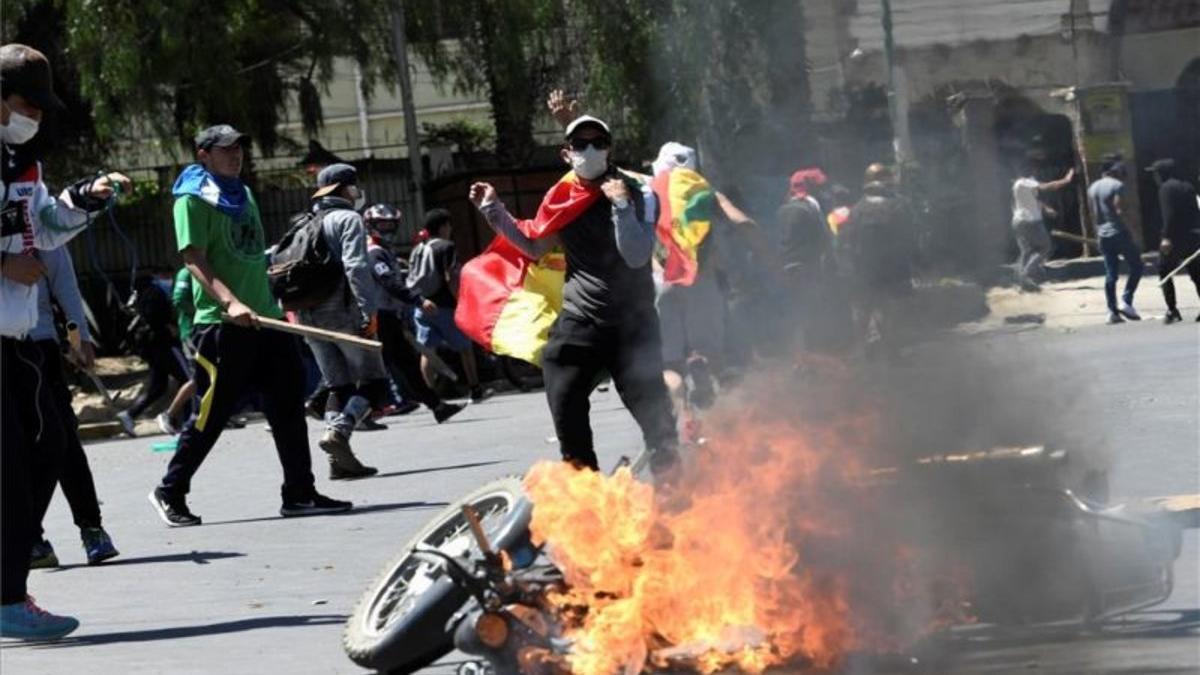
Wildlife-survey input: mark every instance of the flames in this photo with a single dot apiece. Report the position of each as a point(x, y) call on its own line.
point(774, 548)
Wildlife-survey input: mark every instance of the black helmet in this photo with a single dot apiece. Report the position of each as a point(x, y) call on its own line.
point(381, 212)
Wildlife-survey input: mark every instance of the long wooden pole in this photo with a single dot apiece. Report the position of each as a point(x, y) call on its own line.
point(1179, 269)
point(318, 333)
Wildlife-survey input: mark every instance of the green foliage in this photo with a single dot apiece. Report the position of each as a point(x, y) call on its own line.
point(467, 135)
point(183, 65)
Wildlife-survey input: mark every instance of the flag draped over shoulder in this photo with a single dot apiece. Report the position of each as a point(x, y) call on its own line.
point(685, 211)
point(507, 301)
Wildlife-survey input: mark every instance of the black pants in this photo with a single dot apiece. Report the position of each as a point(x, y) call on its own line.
point(31, 445)
point(230, 360)
point(75, 475)
point(165, 360)
point(577, 352)
point(403, 361)
point(1168, 263)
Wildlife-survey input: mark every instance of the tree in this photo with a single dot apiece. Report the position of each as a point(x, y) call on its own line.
point(510, 50)
point(169, 69)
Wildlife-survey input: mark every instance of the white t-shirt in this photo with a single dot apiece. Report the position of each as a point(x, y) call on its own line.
point(1025, 201)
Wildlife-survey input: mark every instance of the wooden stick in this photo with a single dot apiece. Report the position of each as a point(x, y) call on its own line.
point(317, 333)
point(1074, 237)
point(1179, 269)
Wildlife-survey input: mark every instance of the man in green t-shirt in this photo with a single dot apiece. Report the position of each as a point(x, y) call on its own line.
point(219, 232)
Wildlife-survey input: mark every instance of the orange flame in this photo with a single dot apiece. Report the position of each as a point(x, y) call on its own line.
point(772, 552)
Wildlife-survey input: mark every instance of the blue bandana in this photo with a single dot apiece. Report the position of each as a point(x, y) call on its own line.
point(227, 195)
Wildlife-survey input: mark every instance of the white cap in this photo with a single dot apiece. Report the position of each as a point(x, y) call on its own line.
point(582, 120)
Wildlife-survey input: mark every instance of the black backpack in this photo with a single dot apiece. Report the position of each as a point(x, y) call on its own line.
point(303, 270)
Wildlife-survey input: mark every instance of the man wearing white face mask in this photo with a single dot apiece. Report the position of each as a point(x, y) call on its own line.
point(604, 222)
point(31, 432)
point(357, 378)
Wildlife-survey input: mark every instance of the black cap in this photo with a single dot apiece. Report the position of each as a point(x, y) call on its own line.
point(25, 71)
point(1111, 161)
point(219, 136)
point(333, 177)
point(1163, 167)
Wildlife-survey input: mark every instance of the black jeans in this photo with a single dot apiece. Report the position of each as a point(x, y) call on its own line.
point(31, 445)
point(75, 475)
point(403, 361)
point(577, 352)
point(165, 359)
point(1168, 263)
point(230, 360)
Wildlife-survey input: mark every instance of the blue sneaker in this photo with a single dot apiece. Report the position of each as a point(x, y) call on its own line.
point(27, 621)
point(98, 545)
point(42, 556)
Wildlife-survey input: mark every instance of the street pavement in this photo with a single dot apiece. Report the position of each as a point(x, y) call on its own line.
point(250, 592)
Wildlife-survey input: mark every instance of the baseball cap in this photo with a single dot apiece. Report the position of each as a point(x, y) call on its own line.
point(333, 177)
point(1164, 166)
point(586, 120)
point(25, 71)
point(219, 136)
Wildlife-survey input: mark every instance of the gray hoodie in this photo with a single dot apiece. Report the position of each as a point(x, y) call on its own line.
point(355, 300)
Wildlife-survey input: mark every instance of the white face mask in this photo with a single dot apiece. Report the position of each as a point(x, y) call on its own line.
point(589, 163)
point(20, 129)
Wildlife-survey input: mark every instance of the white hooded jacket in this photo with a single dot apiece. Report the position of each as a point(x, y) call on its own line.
point(33, 220)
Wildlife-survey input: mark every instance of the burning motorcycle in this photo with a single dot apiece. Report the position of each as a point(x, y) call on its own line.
point(473, 578)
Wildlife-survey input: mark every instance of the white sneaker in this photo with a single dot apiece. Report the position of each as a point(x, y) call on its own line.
point(167, 424)
point(1130, 313)
point(127, 423)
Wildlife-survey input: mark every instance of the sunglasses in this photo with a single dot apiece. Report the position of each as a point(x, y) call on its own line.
point(598, 142)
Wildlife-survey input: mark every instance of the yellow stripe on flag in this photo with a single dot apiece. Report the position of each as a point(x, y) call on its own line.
point(207, 399)
point(524, 324)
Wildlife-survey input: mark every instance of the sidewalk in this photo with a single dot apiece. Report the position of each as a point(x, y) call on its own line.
point(1069, 305)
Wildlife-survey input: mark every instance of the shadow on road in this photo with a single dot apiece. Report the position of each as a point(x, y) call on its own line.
point(358, 510)
point(154, 634)
point(433, 469)
point(197, 557)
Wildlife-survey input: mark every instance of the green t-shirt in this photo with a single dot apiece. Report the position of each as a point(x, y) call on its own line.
point(236, 251)
point(184, 302)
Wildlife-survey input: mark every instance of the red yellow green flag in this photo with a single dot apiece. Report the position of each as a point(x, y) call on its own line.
point(685, 211)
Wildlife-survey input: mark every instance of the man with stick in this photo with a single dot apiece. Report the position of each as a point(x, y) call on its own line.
point(1180, 233)
point(219, 232)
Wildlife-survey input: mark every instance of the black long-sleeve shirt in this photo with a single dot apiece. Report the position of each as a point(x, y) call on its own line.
point(1180, 213)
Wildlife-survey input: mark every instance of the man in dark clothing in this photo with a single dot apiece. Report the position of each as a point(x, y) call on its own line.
point(608, 321)
point(433, 270)
point(805, 250)
point(876, 250)
point(401, 358)
point(1180, 232)
point(154, 342)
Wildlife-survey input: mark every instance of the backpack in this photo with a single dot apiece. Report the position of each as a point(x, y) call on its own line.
point(303, 271)
point(423, 277)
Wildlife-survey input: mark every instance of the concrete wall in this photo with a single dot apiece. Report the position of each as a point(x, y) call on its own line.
point(1155, 60)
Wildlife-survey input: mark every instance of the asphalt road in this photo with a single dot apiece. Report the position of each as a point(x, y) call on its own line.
point(249, 592)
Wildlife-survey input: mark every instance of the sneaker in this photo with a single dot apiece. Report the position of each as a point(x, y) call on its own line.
point(313, 506)
point(343, 465)
point(27, 621)
point(368, 424)
point(1173, 316)
point(311, 409)
point(173, 510)
point(447, 410)
point(236, 423)
point(478, 393)
point(97, 545)
point(42, 556)
point(127, 424)
point(167, 425)
point(1130, 313)
point(1115, 318)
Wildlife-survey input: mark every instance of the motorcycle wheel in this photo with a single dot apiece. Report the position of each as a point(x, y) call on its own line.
point(403, 620)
